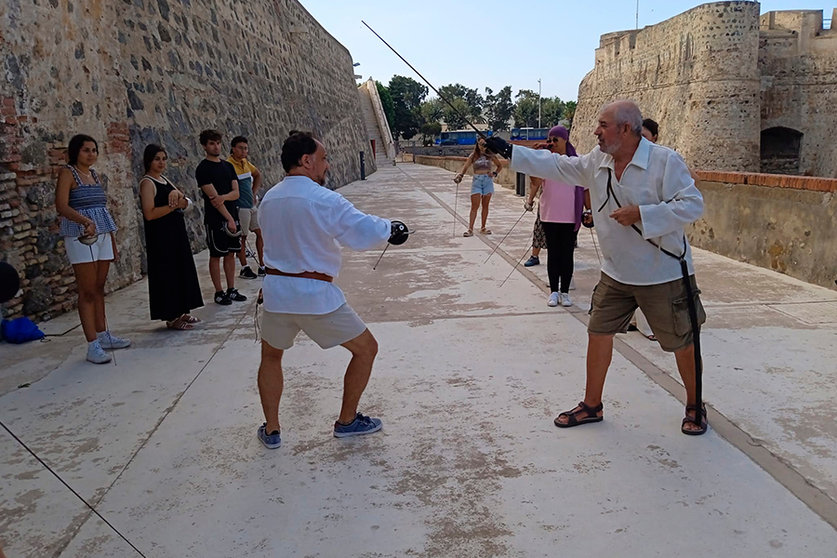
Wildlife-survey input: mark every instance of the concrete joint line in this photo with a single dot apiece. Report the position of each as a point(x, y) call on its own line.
point(86, 517)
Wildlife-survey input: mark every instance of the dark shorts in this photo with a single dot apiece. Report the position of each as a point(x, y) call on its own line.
point(220, 243)
point(665, 306)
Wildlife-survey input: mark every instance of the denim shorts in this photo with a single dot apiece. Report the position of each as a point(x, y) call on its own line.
point(482, 185)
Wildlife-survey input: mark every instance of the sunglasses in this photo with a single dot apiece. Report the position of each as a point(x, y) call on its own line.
point(552, 140)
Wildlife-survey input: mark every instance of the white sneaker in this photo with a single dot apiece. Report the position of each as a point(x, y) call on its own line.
point(565, 300)
point(96, 354)
point(110, 341)
point(553, 300)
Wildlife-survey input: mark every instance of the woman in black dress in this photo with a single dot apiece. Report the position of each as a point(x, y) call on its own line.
point(173, 288)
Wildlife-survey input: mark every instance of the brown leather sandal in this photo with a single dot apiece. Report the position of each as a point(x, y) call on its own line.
point(574, 420)
point(702, 426)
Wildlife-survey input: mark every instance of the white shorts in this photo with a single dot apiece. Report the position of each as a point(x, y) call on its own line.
point(101, 250)
point(248, 218)
point(326, 330)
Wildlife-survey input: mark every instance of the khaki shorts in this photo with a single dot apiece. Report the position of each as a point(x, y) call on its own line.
point(249, 219)
point(665, 307)
point(326, 330)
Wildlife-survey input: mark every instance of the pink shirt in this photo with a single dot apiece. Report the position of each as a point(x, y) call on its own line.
point(557, 202)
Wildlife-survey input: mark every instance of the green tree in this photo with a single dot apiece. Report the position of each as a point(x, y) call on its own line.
point(552, 109)
point(432, 110)
point(386, 103)
point(526, 109)
point(456, 117)
point(569, 111)
point(407, 95)
point(430, 130)
point(498, 108)
point(468, 103)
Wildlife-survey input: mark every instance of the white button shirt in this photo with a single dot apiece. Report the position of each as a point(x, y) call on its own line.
point(657, 180)
point(304, 225)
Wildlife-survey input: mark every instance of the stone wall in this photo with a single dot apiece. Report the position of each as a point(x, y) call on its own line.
point(696, 74)
point(716, 77)
point(784, 223)
point(131, 72)
point(798, 67)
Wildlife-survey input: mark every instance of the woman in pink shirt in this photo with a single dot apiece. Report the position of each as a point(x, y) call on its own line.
point(561, 206)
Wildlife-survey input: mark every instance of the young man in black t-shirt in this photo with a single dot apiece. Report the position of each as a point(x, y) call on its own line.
point(219, 185)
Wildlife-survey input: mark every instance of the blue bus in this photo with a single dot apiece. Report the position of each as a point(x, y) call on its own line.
point(529, 133)
point(460, 137)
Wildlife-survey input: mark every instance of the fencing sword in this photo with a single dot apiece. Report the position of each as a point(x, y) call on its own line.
point(455, 199)
point(525, 211)
point(515, 266)
point(442, 97)
point(479, 133)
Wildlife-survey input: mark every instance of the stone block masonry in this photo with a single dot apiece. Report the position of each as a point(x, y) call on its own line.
point(731, 90)
point(132, 72)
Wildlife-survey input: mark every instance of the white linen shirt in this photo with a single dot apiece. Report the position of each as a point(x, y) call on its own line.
point(304, 225)
point(657, 180)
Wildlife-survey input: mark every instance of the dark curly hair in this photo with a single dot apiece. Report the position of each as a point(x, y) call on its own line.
point(297, 145)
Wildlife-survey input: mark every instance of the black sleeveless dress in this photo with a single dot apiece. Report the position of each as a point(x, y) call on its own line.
point(173, 287)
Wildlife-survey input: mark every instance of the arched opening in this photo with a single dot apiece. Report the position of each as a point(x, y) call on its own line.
point(780, 150)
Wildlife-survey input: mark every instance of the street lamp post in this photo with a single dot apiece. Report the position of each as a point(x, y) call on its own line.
point(539, 102)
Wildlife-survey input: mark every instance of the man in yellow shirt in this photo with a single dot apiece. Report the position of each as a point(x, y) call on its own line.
point(249, 182)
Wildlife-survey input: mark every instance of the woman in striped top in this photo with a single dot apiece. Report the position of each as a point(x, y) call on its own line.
point(87, 228)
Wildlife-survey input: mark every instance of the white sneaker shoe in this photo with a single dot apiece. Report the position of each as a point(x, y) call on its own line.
point(96, 354)
point(565, 300)
point(110, 341)
point(553, 300)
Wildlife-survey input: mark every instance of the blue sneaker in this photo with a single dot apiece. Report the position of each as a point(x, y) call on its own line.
point(361, 425)
point(270, 441)
point(533, 260)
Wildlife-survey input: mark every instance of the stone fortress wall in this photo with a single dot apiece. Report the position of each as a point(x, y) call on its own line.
point(132, 72)
point(732, 91)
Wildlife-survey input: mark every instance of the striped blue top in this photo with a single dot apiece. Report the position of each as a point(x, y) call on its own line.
point(89, 200)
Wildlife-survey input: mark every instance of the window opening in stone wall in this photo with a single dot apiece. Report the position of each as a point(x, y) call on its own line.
point(780, 150)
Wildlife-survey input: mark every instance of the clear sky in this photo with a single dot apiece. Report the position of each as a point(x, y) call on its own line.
point(494, 43)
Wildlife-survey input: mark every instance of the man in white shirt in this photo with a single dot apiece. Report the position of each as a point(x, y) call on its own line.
point(633, 183)
point(304, 225)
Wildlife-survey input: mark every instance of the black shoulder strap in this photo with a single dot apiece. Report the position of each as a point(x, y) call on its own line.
point(610, 193)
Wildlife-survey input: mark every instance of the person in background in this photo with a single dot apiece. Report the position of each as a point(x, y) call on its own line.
point(560, 211)
point(88, 230)
point(249, 182)
point(219, 184)
point(538, 236)
point(173, 287)
point(482, 185)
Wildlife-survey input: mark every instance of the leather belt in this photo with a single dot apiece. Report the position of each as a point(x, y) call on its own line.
point(305, 274)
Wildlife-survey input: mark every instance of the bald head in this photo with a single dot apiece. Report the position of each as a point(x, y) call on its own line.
point(625, 111)
point(619, 129)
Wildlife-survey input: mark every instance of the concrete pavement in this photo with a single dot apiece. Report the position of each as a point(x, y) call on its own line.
point(469, 377)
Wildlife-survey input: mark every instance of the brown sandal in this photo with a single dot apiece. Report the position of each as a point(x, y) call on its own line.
point(702, 426)
point(485, 231)
point(572, 416)
point(180, 324)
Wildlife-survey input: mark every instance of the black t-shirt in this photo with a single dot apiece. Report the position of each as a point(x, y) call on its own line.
point(220, 175)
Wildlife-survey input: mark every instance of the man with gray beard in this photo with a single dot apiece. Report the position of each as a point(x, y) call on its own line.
point(634, 184)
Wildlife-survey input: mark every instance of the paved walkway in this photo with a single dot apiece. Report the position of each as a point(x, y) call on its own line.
point(469, 377)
